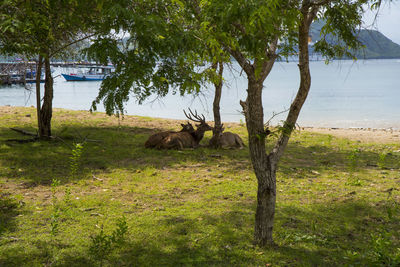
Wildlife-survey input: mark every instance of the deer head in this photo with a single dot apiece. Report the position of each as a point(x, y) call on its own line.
point(188, 127)
point(201, 128)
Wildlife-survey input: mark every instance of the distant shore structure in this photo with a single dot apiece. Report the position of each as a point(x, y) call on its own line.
point(23, 72)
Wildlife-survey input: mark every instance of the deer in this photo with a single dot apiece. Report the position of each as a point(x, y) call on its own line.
point(154, 140)
point(226, 139)
point(186, 138)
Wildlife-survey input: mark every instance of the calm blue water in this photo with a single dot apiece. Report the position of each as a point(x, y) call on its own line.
point(343, 94)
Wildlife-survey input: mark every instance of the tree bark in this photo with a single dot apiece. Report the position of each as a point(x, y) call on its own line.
point(264, 168)
point(38, 100)
point(305, 81)
point(215, 141)
point(46, 111)
point(264, 164)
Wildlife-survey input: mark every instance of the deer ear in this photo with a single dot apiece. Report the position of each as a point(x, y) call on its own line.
point(183, 125)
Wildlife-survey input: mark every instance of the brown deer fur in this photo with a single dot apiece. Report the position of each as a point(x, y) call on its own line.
point(154, 140)
point(186, 138)
point(231, 140)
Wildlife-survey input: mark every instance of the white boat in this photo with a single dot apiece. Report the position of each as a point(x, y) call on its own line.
point(95, 73)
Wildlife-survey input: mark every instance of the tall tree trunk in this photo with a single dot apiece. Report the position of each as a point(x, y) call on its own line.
point(217, 130)
point(38, 100)
point(264, 168)
point(47, 107)
point(308, 16)
point(264, 165)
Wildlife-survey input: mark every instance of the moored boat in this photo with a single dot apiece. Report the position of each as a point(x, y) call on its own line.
point(95, 73)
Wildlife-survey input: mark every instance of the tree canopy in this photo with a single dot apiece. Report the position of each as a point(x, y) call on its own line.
point(41, 29)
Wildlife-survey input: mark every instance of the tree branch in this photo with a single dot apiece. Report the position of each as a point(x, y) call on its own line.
point(69, 44)
point(271, 55)
point(242, 60)
point(239, 27)
point(305, 82)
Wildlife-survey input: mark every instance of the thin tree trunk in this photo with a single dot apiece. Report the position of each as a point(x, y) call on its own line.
point(305, 81)
point(264, 168)
point(38, 101)
point(217, 130)
point(47, 107)
point(264, 165)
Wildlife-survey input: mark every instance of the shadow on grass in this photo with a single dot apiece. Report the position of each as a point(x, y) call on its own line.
point(109, 148)
point(9, 210)
point(105, 149)
point(317, 235)
point(311, 241)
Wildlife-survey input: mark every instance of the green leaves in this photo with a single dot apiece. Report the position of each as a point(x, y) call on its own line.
point(339, 34)
point(40, 27)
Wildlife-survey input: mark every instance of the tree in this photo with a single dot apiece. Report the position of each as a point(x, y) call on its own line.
point(255, 33)
point(43, 29)
point(256, 40)
point(215, 140)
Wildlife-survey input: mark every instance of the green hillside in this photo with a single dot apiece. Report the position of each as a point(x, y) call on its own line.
point(377, 44)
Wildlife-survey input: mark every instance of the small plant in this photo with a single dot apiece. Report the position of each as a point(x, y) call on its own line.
point(353, 160)
point(102, 244)
point(67, 198)
point(382, 160)
point(353, 181)
point(75, 159)
point(330, 138)
point(384, 251)
point(392, 207)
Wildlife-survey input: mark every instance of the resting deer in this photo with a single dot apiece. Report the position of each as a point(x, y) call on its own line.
point(226, 140)
point(155, 139)
point(186, 138)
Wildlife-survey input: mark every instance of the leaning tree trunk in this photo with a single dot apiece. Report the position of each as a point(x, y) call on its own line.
point(308, 16)
point(38, 100)
point(47, 107)
point(215, 141)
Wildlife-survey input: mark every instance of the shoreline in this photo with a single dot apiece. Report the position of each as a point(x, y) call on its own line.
point(365, 135)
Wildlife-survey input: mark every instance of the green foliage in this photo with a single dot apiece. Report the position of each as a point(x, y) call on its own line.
point(75, 159)
point(353, 160)
point(161, 54)
point(103, 244)
point(383, 250)
point(44, 27)
point(376, 44)
point(382, 160)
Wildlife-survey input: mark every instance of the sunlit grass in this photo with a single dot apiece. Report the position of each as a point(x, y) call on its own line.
point(337, 200)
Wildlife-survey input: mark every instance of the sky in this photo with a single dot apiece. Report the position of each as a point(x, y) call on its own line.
point(388, 20)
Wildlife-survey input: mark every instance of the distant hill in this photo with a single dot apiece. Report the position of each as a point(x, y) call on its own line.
point(377, 44)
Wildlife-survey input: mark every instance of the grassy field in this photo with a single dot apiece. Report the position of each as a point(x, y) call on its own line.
point(111, 202)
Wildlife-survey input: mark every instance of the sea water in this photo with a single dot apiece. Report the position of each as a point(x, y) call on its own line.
point(365, 93)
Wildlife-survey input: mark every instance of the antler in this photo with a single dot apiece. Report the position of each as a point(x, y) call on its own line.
point(196, 118)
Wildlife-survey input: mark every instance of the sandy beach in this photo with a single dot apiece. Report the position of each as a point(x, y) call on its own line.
point(365, 135)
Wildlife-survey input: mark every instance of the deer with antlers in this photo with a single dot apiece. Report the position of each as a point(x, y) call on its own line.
point(186, 138)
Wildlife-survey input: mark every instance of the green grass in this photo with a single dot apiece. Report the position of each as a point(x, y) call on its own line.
point(337, 202)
